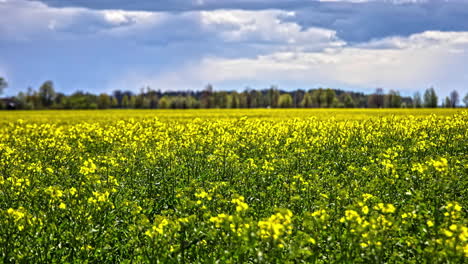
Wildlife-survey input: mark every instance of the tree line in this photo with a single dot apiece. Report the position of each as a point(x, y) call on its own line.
point(47, 98)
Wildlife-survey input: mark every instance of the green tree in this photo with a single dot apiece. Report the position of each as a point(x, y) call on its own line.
point(307, 100)
point(243, 100)
point(235, 101)
point(154, 101)
point(447, 103)
point(465, 100)
point(298, 96)
point(192, 102)
point(348, 101)
point(59, 100)
point(146, 103)
point(207, 100)
point(273, 96)
point(164, 102)
point(254, 99)
point(316, 98)
point(330, 98)
point(47, 94)
point(125, 101)
point(32, 99)
point(392, 99)
point(133, 102)
point(430, 98)
point(139, 99)
point(104, 101)
point(114, 102)
point(323, 98)
point(221, 99)
point(285, 101)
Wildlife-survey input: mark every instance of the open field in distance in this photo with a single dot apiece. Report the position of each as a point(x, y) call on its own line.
point(72, 116)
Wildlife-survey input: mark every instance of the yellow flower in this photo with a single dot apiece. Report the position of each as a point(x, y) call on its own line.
point(88, 167)
point(352, 215)
point(440, 165)
point(17, 214)
point(385, 208)
point(72, 190)
point(62, 206)
point(202, 194)
point(241, 205)
point(365, 209)
point(157, 229)
point(463, 234)
point(87, 247)
point(447, 233)
point(367, 196)
point(276, 225)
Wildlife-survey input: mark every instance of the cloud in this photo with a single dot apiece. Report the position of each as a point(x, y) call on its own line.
point(30, 20)
point(263, 29)
point(374, 20)
point(266, 27)
point(353, 20)
point(409, 64)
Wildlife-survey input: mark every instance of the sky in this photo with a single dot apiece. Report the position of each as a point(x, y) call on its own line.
point(102, 45)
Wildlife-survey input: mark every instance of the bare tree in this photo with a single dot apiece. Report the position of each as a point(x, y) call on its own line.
point(376, 100)
point(454, 98)
point(417, 100)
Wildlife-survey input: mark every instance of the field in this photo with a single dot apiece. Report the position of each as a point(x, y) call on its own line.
point(234, 186)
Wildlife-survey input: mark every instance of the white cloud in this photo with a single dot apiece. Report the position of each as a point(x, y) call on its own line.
point(427, 39)
point(267, 26)
point(31, 20)
point(117, 17)
point(410, 64)
point(121, 17)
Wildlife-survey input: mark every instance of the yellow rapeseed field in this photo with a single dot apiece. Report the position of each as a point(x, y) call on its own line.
point(234, 186)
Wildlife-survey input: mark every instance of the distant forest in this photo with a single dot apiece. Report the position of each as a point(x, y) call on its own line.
point(47, 98)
